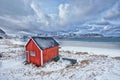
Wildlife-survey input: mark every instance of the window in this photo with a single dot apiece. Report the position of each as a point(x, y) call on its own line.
point(32, 53)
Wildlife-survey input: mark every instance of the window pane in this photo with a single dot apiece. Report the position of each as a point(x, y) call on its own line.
point(32, 53)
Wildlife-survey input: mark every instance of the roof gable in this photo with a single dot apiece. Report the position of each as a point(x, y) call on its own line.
point(45, 42)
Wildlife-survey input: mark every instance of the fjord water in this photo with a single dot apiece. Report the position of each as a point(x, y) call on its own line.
point(98, 42)
point(94, 39)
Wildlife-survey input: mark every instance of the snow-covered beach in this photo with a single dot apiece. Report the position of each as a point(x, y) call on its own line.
point(93, 63)
point(99, 48)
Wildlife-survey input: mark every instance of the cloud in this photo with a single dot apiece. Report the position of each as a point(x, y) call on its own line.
point(33, 23)
point(42, 18)
point(83, 10)
point(113, 13)
point(33, 16)
point(13, 8)
point(64, 12)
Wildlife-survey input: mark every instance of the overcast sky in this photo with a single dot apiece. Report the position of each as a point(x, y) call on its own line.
point(82, 16)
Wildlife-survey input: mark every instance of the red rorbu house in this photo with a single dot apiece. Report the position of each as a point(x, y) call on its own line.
point(41, 49)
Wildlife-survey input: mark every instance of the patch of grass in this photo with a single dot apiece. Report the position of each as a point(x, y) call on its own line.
point(17, 46)
point(82, 53)
point(68, 66)
point(117, 58)
point(99, 56)
point(44, 73)
point(68, 51)
point(86, 62)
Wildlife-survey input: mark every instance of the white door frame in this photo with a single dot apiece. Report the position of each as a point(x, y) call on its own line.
point(41, 57)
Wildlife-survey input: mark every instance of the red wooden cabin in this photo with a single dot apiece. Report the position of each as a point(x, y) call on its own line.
point(41, 49)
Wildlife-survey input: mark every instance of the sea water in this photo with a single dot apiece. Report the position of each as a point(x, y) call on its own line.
point(94, 39)
point(99, 42)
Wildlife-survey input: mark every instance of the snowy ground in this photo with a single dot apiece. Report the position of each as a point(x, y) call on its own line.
point(89, 66)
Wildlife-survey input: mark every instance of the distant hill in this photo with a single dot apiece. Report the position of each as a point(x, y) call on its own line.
point(2, 33)
point(78, 35)
point(91, 35)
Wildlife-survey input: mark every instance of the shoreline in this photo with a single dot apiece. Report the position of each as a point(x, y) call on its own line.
point(107, 45)
point(98, 51)
point(99, 48)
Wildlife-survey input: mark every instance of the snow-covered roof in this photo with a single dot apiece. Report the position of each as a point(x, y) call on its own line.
point(45, 42)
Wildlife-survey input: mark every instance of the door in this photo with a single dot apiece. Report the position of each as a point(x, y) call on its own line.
point(28, 56)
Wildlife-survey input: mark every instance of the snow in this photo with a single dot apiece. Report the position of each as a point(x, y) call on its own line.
point(45, 42)
point(91, 50)
point(99, 48)
point(91, 65)
point(16, 41)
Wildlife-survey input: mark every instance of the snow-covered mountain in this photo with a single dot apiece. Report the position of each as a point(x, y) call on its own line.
point(2, 33)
